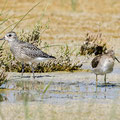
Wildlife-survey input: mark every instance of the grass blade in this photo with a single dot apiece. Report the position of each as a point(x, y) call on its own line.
point(45, 90)
point(26, 107)
point(50, 46)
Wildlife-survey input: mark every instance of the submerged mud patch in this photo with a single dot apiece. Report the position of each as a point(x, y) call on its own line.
point(58, 88)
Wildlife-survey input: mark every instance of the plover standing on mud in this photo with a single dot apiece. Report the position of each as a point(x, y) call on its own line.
point(25, 52)
point(103, 64)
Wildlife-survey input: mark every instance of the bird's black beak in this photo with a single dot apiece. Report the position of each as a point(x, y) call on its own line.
point(117, 59)
point(2, 38)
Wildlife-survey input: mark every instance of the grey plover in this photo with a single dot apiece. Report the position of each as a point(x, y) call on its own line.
point(25, 52)
point(103, 64)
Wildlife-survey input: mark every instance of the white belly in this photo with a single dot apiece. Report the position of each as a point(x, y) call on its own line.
point(105, 67)
point(39, 59)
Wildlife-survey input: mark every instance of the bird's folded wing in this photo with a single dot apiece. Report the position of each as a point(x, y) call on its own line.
point(95, 61)
point(32, 51)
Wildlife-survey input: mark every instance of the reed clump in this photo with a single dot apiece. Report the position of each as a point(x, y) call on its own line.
point(93, 44)
point(3, 77)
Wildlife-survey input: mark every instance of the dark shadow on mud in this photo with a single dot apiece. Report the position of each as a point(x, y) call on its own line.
point(109, 85)
point(43, 76)
point(32, 77)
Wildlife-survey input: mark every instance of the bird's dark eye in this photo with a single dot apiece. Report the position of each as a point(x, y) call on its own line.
point(9, 35)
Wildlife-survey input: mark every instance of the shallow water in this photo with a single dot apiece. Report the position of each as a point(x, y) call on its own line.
point(62, 88)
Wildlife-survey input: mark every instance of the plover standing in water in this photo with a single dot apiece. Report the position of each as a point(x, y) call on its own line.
point(25, 52)
point(103, 64)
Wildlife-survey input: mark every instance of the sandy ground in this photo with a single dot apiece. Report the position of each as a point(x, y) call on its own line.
point(67, 27)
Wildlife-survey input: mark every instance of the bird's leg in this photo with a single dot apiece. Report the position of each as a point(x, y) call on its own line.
point(33, 71)
point(96, 82)
point(22, 69)
point(105, 79)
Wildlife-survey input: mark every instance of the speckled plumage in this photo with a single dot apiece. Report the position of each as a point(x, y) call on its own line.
point(27, 52)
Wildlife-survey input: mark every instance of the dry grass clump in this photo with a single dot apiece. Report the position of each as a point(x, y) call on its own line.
point(63, 63)
point(32, 36)
point(3, 77)
point(93, 43)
